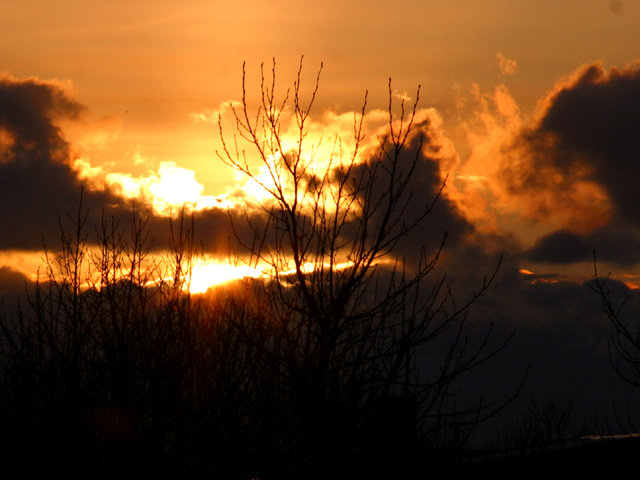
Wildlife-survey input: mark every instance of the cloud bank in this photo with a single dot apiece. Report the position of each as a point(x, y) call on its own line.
point(584, 148)
point(569, 169)
point(37, 181)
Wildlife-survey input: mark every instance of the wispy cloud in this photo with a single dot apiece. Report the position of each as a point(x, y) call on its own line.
point(507, 66)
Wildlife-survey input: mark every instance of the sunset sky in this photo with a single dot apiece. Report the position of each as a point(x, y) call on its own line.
point(532, 109)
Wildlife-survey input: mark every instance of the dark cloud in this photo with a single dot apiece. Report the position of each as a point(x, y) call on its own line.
point(12, 286)
point(37, 184)
point(580, 164)
point(28, 109)
point(561, 246)
point(590, 132)
point(560, 337)
point(420, 162)
point(616, 244)
point(39, 191)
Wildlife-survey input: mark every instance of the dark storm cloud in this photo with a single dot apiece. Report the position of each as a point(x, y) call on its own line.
point(215, 229)
point(581, 156)
point(560, 334)
point(591, 130)
point(580, 163)
point(40, 192)
point(37, 183)
point(28, 109)
point(424, 192)
point(561, 246)
point(618, 245)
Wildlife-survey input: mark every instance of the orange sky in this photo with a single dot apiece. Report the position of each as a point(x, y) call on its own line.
point(146, 70)
point(149, 65)
point(530, 108)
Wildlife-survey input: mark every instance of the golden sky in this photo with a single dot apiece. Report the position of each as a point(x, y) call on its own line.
point(148, 65)
point(144, 72)
point(530, 108)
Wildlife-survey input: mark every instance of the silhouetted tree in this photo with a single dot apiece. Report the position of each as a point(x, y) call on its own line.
point(550, 423)
point(337, 326)
point(95, 370)
point(624, 341)
point(115, 364)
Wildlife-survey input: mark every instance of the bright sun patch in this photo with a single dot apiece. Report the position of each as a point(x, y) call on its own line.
point(169, 189)
point(208, 274)
point(176, 185)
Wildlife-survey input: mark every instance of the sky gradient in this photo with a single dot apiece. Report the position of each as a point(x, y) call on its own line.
point(529, 110)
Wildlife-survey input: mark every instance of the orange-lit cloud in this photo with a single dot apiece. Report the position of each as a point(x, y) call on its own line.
point(544, 167)
point(570, 167)
point(110, 193)
point(510, 172)
point(506, 65)
point(490, 121)
point(328, 143)
point(167, 190)
point(27, 263)
point(630, 280)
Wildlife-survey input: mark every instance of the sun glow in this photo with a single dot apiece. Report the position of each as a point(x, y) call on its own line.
point(630, 280)
point(170, 188)
point(310, 267)
point(317, 156)
point(209, 273)
point(206, 274)
point(24, 262)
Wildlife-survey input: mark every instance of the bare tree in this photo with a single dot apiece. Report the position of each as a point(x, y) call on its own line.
point(624, 341)
point(99, 370)
point(342, 316)
point(292, 374)
point(547, 423)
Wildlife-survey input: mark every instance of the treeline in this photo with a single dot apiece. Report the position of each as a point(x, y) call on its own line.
point(345, 357)
point(113, 365)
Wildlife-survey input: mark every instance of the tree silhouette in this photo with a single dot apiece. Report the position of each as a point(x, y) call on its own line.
point(114, 363)
point(342, 316)
point(624, 341)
